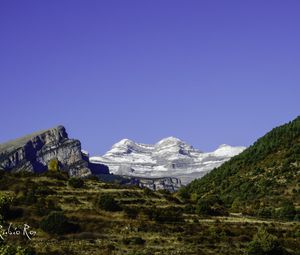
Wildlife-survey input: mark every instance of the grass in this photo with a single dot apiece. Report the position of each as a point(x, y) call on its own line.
point(103, 232)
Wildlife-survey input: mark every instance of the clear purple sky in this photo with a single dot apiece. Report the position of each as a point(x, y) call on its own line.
point(208, 72)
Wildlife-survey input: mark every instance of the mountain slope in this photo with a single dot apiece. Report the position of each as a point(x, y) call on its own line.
point(265, 174)
point(169, 157)
point(33, 152)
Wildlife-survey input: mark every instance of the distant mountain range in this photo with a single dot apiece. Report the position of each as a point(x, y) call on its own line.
point(170, 157)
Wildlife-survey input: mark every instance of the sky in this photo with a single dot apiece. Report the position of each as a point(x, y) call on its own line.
point(207, 72)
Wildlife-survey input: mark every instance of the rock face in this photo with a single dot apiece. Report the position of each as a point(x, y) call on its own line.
point(33, 152)
point(171, 184)
point(170, 157)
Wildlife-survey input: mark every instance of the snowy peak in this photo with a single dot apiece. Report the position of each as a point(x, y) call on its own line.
point(169, 141)
point(170, 157)
point(127, 146)
point(225, 150)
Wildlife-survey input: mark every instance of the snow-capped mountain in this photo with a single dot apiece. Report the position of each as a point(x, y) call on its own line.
point(169, 157)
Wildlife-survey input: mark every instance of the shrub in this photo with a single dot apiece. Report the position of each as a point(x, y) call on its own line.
point(5, 203)
point(131, 212)
point(164, 215)
point(148, 192)
point(134, 241)
point(108, 203)
point(264, 243)
point(287, 211)
point(57, 223)
point(210, 206)
point(46, 205)
point(76, 182)
point(16, 250)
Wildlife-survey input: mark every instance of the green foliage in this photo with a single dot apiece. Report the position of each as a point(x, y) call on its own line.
point(287, 211)
point(148, 192)
point(184, 193)
point(16, 250)
point(46, 205)
point(264, 243)
point(76, 182)
point(108, 203)
point(53, 165)
point(211, 205)
point(5, 203)
point(263, 172)
point(57, 223)
point(164, 215)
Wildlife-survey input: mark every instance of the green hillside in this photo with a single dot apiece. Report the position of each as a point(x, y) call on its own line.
point(264, 180)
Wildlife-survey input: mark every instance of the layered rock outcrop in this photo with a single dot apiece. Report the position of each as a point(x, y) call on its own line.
point(33, 152)
point(171, 184)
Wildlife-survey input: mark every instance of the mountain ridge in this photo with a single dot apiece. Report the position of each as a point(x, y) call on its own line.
point(168, 157)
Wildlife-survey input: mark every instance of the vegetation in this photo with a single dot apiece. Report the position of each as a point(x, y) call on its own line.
point(5, 203)
point(107, 202)
point(16, 250)
point(53, 165)
point(263, 181)
point(264, 243)
point(57, 223)
point(250, 205)
point(76, 182)
point(115, 219)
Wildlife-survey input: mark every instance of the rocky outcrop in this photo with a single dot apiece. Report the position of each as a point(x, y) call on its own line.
point(171, 184)
point(33, 152)
point(96, 168)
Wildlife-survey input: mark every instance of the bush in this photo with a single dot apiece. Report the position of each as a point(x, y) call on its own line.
point(76, 182)
point(164, 215)
point(210, 206)
point(264, 243)
point(148, 192)
point(45, 206)
point(134, 241)
point(108, 203)
point(57, 223)
point(287, 211)
point(5, 203)
point(131, 212)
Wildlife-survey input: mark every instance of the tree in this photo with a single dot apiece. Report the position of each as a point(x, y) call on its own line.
point(53, 165)
point(287, 211)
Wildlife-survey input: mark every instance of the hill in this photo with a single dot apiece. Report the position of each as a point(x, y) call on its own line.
point(70, 216)
point(262, 180)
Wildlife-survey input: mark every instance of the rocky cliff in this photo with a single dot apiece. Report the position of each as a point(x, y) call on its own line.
point(171, 184)
point(33, 152)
